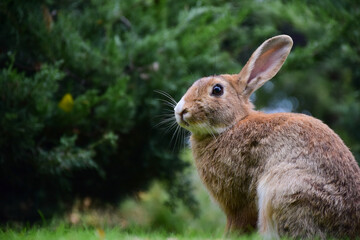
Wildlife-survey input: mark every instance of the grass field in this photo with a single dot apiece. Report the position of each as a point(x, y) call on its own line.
point(67, 233)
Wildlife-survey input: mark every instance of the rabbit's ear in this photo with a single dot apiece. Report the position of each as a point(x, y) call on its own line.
point(264, 63)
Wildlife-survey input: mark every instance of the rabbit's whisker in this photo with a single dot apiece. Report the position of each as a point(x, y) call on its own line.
point(177, 133)
point(167, 102)
point(167, 122)
point(167, 95)
point(210, 130)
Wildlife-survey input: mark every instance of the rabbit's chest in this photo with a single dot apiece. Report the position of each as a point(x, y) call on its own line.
point(219, 175)
point(223, 172)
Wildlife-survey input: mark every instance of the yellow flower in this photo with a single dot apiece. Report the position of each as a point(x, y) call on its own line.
point(101, 233)
point(66, 103)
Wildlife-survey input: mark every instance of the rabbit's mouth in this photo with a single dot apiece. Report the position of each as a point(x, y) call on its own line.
point(183, 119)
point(183, 123)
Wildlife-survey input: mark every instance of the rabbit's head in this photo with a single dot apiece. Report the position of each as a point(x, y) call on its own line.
point(213, 104)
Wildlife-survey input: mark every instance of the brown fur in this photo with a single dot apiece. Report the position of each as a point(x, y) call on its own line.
point(288, 174)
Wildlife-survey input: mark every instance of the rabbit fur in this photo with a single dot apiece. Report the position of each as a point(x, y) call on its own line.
point(285, 174)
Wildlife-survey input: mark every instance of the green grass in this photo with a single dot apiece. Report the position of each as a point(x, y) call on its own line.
point(65, 233)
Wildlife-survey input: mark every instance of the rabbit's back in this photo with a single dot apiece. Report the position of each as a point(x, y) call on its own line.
point(292, 170)
point(301, 140)
point(311, 181)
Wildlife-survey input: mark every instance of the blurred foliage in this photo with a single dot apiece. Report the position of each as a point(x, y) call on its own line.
point(78, 77)
point(150, 211)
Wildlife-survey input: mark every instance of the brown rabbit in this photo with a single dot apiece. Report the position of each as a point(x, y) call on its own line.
point(288, 174)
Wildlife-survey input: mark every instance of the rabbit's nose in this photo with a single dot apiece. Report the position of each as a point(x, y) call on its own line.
point(183, 113)
point(183, 117)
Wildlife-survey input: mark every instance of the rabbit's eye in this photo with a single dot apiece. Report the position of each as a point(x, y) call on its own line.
point(217, 90)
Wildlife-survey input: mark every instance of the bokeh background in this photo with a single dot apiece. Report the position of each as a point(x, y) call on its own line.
point(79, 139)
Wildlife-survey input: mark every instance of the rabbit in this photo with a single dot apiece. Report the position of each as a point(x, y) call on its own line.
point(284, 174)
